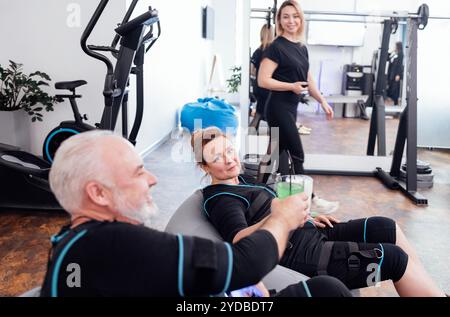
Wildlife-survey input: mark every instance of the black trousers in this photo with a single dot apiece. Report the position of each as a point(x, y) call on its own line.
point(394, 90)
point(371, 234)
point(261, 101)
point(284, 116)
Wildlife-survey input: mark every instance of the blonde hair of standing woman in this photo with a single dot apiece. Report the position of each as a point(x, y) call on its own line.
point(301, 30)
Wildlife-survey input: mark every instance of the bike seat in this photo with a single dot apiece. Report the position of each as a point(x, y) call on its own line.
point(71, 85)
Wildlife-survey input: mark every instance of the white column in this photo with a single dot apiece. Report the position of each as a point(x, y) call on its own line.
point(244, 35)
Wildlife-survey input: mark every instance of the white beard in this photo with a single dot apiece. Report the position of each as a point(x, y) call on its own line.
point(141, 214)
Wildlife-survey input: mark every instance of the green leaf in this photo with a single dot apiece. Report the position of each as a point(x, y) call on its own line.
point(42, 83)
point(22, 91)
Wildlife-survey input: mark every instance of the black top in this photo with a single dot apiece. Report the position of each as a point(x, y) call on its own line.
point(256, 61)
point(293, 64)
point(120, 259)
point(228, 206)
point(256, 58)
point(232, 208)
point(395, 66)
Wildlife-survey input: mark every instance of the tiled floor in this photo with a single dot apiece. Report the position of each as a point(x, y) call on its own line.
point(24, 236)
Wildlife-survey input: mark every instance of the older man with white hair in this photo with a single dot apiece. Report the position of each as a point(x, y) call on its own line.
point(101, 182)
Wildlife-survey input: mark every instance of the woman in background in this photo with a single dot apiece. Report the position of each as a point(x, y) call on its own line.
point(266, 37)
point(395, 73)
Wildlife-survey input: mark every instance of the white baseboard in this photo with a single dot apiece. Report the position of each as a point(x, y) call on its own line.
point(155, 145)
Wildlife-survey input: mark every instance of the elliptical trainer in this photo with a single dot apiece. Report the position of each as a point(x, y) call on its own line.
point(133, 46)
point(24, 177)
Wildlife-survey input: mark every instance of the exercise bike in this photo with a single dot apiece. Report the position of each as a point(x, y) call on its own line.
point(24, 177)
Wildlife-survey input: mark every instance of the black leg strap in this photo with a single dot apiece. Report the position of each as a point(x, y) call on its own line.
point(353, 260)
point(325, 258)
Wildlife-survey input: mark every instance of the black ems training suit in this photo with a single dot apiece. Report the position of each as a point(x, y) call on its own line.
point(358, 252)
point(119, 259)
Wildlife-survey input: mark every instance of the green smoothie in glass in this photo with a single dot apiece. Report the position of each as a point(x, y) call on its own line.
point(288, 185)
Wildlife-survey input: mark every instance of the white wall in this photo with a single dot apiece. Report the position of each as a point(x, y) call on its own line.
point(225, 33)
point(175, 71)
point(243, 29)
point(433, 105)
point(38, 35)
point(387, 5)
point(175, 67)
point(326, 62)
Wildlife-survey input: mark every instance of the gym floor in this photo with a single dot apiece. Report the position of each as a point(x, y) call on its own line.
point(24, 236)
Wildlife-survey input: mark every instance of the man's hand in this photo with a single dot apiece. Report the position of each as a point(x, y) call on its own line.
point(293, 210)
point(323, 220)
point(286, 215)
point(263, 289)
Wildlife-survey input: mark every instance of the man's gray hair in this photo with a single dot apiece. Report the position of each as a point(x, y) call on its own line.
point(77, 161)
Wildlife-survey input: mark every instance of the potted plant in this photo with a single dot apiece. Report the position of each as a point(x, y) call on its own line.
point(21, 91)
point(233, 85)
point(235, 80)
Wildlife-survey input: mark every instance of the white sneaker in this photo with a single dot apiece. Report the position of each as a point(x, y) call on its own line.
point(321, 206)
point(299, 125)
point(304, 131)
point(306, 128)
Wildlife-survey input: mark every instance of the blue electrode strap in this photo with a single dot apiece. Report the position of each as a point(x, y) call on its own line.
point(59, 260)
point(56, 238)
point(224, 193)
point(242, 179)
point(229, 269)
point(381, 262)
point(305, 286)
point(365, 230)
point(180, 264)
point(254, 186)
point(271, 192)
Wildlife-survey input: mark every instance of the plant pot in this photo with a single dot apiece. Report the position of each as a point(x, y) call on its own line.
point(15, 129)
